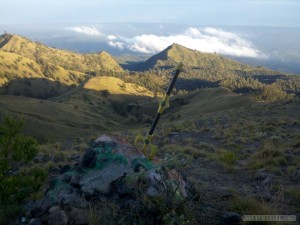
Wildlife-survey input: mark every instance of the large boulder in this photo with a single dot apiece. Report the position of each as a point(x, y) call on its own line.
point(109, 167)
point(106, 160)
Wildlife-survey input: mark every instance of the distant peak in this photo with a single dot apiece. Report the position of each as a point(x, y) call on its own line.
point(5, 36)
point(104, 53)
point(175, 46)
point(8, 35)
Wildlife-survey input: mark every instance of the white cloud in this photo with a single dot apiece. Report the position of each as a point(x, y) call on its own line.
point(88, 30)
point(205, 40)
point(113, 41)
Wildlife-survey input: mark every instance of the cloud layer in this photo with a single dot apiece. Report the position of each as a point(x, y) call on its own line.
point(88, 30)
point(205, 40)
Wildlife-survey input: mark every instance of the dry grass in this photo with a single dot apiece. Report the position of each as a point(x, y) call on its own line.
point(269, 155)
point(116, 86)
point(62, 58)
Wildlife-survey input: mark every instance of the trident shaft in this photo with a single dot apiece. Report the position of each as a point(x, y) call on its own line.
point(163, 104)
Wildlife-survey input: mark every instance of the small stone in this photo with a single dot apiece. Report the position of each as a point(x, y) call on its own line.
point(54, 209)
point(231, 218)
point(66, 178)
point(72, 200)
point(102, 141)
point(266, 181)
point(28, 214)
point(78, 217)
point(75, 180)
point(74, 157)
point(41, 207)
point(35, 221)
point(296, 175)
point(174, 134)
point(89, 159)
point(152, 191)
point(55, 169)
point(58, 218)
point(65, 168)
point(79, 169)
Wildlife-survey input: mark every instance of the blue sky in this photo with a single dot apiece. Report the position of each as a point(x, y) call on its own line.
point(193, 12)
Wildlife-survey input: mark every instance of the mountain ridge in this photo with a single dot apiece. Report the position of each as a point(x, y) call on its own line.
point(176, 53)
point(201, 69)
point(68, 60)
point(28, 61)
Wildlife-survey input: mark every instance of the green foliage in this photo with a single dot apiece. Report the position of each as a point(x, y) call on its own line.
point(204, 70)
point(269, 156)
point(15, 188)
point(228, 157)
point(250, 206)
point(16, 184)
point(168, 207)
point(14, 146)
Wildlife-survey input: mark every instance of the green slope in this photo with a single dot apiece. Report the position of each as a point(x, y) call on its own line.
point(212, 70)
point(65, 59)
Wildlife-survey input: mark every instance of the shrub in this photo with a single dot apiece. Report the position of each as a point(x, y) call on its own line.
point(105, 93)
point(14, 146)
point(251, 206)
point(16, 149)
point(228, 157)
point(269, 156)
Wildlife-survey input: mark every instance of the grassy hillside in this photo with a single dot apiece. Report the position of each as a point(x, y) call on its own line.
point(116, 86)
point(243, 159)
point(98, 104)
point(65, 59)
point(31, 69)
point(202, 70)
point(83, 117)
point(14, 66)
point(208, 100)
point(176, 53)
point(86, 112)
point(49, 120)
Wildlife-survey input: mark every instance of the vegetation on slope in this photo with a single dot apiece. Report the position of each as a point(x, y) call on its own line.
point(116, 86)
point(21, 58)
point(204, 70)
point(66, 59)
point(16, 184)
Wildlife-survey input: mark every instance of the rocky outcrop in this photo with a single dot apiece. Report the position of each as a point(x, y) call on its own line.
point(110, 169)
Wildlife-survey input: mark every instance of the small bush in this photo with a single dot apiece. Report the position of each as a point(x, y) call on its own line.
point(15, 184)
point(250, 206)
point(228, 157)
point(14, 146)
point(268, 156)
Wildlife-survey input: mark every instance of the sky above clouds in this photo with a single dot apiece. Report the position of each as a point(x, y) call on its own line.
point(84, 17)
point(192, 12)
point(206, 39)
